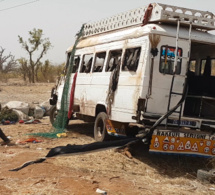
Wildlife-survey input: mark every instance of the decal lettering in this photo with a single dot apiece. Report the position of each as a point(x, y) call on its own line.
point(193, 135)
point(168, 134)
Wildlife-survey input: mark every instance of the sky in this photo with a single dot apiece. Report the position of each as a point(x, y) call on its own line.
point(60, 20)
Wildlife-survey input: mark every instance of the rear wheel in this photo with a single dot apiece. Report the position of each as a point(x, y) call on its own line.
point(100, 131)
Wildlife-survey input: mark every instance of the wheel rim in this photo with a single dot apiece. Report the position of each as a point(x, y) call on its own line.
point(100, 128)
point(55, 115)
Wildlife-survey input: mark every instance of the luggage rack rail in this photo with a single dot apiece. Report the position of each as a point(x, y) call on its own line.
point(202, 20)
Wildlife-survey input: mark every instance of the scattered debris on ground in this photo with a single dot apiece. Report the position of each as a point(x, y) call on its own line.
point(109, 171)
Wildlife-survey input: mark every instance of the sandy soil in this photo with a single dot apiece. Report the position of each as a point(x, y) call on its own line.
point(108, 170)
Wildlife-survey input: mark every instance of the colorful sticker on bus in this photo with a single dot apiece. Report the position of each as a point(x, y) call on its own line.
point(170, 51)
point(188, 143)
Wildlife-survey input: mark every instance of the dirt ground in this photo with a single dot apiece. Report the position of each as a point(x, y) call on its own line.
point(108, 170)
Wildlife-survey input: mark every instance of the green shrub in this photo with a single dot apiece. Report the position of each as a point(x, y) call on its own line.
point(8, 114)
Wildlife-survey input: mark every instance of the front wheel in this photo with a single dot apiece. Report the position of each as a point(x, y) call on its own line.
point(100, 131)
point(53, 114)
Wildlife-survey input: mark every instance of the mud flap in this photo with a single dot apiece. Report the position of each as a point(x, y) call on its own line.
point(186, 143)
point(115, 128)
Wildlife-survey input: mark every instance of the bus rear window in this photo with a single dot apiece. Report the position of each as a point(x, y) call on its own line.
point(167, 60)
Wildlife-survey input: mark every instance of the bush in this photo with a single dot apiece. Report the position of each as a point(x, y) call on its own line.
point(8, 114)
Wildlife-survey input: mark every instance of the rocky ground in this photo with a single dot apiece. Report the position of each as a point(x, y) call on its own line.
point(108, 170)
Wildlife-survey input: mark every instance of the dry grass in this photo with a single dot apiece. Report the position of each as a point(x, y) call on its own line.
point(109, 170)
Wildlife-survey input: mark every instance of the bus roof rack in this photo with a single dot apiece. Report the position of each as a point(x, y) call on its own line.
point(202, 20)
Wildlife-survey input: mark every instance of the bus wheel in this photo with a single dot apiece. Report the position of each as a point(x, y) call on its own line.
point(100, 132)
point(53, 114)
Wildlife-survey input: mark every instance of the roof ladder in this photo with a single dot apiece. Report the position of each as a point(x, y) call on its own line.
point(179, 109)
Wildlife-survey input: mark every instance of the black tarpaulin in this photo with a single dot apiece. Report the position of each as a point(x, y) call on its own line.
point(80, 149)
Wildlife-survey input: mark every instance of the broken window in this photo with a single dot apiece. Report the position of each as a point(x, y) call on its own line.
point(211, 67)
point(131, 59)
point(76, 62)
point(67, 63)
point(167, 60)
point(99, 62)
point(192, 66)
point(87, 63)
point(113, 60)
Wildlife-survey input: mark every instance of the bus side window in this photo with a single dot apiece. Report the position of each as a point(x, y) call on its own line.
point(211, 68)
point(75, 64)
point(131, 59)
point(192, 66)
point(114, 59)
point(87, 63)
point(67, 63)
point(99, 62)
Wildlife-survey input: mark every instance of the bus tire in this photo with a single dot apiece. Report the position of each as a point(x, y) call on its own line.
point(53, 114)
point(207, 176)
point(100, 131)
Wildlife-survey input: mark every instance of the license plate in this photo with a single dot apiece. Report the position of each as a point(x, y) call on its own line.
point(182, 122)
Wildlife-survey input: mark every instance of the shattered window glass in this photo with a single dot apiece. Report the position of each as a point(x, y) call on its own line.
point(203, 62)
point(167, 60)
point(131, 59)
point(212, 67)
point(75, 64)
point(87, 63)
point(68, 59)
point(114, 59)
point(99, 62)
point(192, 66)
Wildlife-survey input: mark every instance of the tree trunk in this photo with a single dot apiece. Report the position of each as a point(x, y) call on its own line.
point(32, 74)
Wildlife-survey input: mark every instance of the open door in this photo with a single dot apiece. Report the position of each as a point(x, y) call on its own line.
point(200, 102)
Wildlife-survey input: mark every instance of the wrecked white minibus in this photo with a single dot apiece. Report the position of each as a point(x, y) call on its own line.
point(150, 71)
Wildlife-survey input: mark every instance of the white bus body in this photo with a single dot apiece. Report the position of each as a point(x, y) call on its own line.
point(143, 94)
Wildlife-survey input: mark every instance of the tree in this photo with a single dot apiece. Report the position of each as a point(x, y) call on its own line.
point(45, 68)
point(24, 69)
point(7, 62)
point(36, 45)
point(50, 72)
